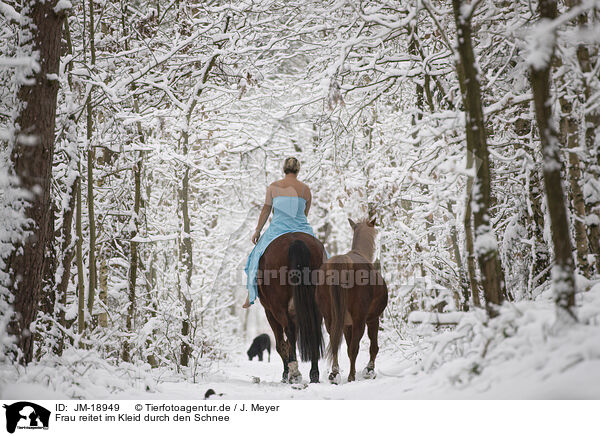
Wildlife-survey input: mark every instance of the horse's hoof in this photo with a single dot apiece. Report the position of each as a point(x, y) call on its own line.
point(335, 379)
point(284, 377)
point(369, 373)
point(295, 376)
point(351, 378)
point(295, 379)
point(314, 377)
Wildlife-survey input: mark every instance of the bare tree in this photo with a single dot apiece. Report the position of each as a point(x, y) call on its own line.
point(67, 247)
point(32, 155)
point(563, 273)
point(485, 240)
point(79, 258)
point(91, 157)
point(569, 134)
point(592, 121)
point(134, 246)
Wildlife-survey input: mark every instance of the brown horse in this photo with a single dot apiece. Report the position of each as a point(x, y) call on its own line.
point(287, 293)
point(353, 294)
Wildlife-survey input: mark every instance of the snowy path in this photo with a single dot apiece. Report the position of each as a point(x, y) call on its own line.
point(396, 379)
point(234, 381)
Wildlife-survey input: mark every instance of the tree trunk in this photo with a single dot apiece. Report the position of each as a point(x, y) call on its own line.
point(79, 251)
point(67, 249)
point(563, 274)
point(485, 240)
point(67, 253)
point(540, 255)
point(103, 292)
point(134, 245)
point(31, 156)
point(133, 264)
point(49, 296)
point(187, 261)
point(90, 180)
point(462, 276)
point(412, 49)
point(468, 226)
point(570, 136)
point(592, 121)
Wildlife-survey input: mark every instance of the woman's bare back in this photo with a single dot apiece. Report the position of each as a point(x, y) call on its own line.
point(290, 187)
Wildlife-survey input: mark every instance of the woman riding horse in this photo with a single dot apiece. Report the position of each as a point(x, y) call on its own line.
point(279, 272)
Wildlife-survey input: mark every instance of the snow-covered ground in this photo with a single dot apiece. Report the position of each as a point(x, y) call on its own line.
point(396, 379)
point(522, 354)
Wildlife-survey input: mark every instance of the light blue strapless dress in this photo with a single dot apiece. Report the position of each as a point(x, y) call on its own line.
point(288, 217)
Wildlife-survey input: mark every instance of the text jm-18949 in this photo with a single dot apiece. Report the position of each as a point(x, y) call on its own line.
point(96, 407)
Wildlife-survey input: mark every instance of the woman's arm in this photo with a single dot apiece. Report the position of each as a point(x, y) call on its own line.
point(264, 215)
point(308, 201)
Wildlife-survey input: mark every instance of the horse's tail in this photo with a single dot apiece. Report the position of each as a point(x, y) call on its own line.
point(308, 317)
point(338, 296)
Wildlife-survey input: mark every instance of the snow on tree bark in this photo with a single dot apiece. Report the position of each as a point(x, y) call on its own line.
point(91, 159)
point(485, 241)
point(32, 154)
point(540, 65)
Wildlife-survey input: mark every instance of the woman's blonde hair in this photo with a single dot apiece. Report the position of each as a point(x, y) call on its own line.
point(291, 165)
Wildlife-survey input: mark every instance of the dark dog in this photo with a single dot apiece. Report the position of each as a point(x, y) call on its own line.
point(260, 344)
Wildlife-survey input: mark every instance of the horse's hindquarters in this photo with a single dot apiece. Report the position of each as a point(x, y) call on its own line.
point(289, 299)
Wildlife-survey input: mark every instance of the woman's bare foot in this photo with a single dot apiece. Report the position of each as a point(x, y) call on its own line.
point(246, 304)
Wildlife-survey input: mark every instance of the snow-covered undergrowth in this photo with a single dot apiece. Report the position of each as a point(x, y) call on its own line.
point(85, 374)
point(82, 374)
point(524, 344)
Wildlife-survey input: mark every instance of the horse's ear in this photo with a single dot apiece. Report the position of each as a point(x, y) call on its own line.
point(372, 222)
point(352, 223)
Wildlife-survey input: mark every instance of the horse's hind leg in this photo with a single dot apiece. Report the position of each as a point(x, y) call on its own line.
point(314, 371)
point(290, 331)
point(334, 375)
point(358, 329)
point(280, 344)
point(372, 331)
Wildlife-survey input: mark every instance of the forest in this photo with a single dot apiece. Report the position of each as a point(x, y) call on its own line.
point(137, 140)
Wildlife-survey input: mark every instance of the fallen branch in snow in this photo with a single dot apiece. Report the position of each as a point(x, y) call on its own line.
point(155, 238)
point(419, 317)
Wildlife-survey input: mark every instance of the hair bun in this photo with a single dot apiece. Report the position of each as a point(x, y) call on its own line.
point(291, 165)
